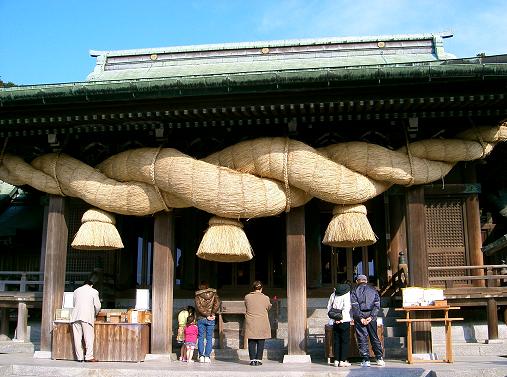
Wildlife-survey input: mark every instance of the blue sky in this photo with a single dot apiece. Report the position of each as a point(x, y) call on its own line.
point(48, 41)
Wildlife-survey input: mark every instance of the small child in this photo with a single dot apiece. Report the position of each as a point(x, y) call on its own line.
point(182, 323)
point(190, 337)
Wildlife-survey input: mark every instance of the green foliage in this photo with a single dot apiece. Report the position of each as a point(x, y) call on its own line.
point(6, 84)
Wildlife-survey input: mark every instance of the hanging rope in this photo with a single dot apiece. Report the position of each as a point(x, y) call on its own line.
point(286, 175)
point(410, 158)
point(55, 176)
point(153, 182)
point(3, 150)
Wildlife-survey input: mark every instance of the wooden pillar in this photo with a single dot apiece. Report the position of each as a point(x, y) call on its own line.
point(296, 281)
point(192, 235)
point(147, 230)
point(473, 226)
point(54, 267)
point(163, 283)
point(313, 245)
point(43, 243)
point(418, 262)
point(492, 319)
point(364, 258)
point(350, 267)
point(4, 322)
point(398, 230)
point(22, 325)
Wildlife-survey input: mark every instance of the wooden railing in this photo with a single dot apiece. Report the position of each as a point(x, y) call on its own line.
point(24, 281)
point(393, 286)
point(493, 274)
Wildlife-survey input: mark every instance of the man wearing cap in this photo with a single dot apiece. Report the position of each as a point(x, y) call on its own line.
point(365, 302)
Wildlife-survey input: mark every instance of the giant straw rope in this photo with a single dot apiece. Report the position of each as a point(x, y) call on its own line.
point(256, 178)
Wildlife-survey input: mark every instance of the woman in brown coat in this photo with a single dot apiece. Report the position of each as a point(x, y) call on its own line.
point(257, 327)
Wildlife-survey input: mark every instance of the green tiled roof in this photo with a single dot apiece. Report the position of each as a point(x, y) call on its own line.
point(251, 82)
point(267, 56)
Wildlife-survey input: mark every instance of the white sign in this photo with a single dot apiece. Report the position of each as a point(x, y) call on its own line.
point(68, 300)
point(412, 296)
point(142, 299)
point(416, 296)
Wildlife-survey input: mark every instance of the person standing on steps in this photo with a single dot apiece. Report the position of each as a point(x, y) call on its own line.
point(207, 305)
point(340, 299)
point(86, 307)
point(257, 326)
point(365, 302)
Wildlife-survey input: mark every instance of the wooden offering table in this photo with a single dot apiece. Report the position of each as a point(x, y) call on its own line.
point(448, 336)
point(113, 341)
point(353, 347)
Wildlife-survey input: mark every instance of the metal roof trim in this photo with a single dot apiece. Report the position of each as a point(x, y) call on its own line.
point(99, 91)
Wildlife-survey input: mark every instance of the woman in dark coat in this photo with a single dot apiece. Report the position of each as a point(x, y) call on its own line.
point(257, 327)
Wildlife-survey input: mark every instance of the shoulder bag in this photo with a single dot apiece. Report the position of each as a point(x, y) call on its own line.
point(334, 313)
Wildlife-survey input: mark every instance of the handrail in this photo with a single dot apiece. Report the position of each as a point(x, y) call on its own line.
point(467, 277)
point(39, 273)
point(492, 279)
point(23, 281)
point(486, 266)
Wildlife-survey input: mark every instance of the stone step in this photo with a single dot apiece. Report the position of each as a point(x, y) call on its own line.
point(466, 332)
point(242, 354)
point(494, 348)
point(235, 343)
point(395, 342)
point(396, 331)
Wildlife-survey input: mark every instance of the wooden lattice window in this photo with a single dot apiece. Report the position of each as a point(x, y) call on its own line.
point(446, 237)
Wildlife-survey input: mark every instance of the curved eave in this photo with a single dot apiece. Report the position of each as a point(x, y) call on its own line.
point(128, 90)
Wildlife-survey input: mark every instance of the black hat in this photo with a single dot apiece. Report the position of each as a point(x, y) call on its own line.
point(341, 289)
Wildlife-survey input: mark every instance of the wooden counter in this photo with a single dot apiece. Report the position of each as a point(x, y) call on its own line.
point(113, 341)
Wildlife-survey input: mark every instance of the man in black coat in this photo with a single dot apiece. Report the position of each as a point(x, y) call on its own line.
point(365, 302)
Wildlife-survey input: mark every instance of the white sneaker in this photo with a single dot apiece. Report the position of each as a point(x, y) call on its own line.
point(201, 359)
point(344, 364)
point(207, 360)
point(336, 363)
point(381, 363)
point(365, 363)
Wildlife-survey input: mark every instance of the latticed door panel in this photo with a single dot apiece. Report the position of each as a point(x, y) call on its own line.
point(446, 238)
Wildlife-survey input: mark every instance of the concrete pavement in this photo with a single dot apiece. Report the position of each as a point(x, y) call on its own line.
point(18, 365)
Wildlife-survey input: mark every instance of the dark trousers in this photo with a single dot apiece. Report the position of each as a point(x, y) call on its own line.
point(341, 340)
point(362, 334)
point(255, 348)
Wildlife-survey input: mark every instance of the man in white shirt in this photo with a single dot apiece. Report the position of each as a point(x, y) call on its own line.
point(86, 307)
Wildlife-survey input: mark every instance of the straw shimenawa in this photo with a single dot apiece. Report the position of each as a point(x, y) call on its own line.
point(225, 241)
point(97, 232)
point(256, 178)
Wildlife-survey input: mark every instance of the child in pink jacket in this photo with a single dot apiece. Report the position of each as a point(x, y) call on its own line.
point(190, 337)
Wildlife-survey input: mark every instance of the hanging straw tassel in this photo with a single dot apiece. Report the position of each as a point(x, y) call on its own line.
point(349, 227)
point(97, 232)
point(225, 241)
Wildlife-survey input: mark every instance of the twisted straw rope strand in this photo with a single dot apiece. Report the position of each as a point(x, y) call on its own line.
point(147, 180)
